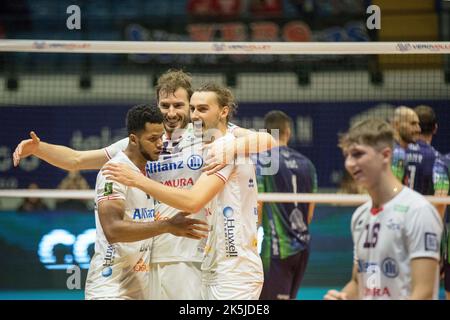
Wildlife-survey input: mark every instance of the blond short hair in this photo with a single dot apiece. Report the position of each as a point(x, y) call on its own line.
point(375, 133)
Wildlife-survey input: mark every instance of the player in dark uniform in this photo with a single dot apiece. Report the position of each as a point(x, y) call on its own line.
point(441, 180)
point(285, 247)
point(420, 156)
point(407, 129)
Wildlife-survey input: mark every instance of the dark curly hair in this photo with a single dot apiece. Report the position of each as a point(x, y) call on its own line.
point(139, 115)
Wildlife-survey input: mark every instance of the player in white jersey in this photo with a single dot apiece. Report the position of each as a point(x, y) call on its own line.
point(396, 234)
point(178, 272)
point(124, 218)
point(232, 268)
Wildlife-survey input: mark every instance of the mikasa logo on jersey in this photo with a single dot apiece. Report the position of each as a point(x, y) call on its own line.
point(229, 232)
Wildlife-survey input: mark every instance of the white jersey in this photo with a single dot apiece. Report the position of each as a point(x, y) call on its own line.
point(231, 255)
point(121, 270)
point(178, 166)
point(386, 240)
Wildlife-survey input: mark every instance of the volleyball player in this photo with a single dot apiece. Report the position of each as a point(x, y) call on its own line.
point(286, 243)
point(407, 129)
point(420, 156)
point(231, 268)
point(441, 181)
point(124, 216)
point(397, 233)
point(178, 260)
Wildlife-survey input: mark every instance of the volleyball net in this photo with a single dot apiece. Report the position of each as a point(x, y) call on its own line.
point(77, 93)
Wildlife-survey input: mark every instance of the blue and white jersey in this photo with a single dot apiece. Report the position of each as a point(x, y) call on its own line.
point(178, 166)
point(231, 255)
point(387, 239)
point(180, 170)
point(121, 270)
point(420, 159)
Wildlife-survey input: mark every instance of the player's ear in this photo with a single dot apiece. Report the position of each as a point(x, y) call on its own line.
point(386, 152)
point(133, 139)
point(224, 112)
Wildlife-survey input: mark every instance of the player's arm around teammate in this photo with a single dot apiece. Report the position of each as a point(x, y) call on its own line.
point(111, 214)
point(59, 156)
point(189, 200)
point(247, 142)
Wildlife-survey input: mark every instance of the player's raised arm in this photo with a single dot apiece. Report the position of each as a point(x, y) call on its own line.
point(189, 200)
point(116, 229)
point(59, 156)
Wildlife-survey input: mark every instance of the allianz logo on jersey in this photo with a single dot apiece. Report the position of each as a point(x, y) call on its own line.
point(194, 162)
point(143, 213)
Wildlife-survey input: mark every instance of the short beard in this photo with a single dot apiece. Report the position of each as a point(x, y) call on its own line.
point(145, 155)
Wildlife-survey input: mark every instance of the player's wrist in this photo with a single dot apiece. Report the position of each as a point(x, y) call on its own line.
point(165, 226)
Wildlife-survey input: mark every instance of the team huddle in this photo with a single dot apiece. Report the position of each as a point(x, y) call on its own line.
point(177, 213)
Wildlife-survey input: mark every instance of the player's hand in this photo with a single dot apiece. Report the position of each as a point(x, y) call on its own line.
point(26, 148)
point(335, 295)
point(121, 173)
point(218, 155)
point(182, 226)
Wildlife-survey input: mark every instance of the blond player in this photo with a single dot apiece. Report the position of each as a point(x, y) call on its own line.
point(231, 268)
point(396, 234)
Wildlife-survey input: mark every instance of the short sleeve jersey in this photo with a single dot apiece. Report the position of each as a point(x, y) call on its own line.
point(231, 254)
point(120, 270)
point(386, 240)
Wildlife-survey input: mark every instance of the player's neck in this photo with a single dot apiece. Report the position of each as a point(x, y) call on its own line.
point(426, 138)
point(175, 134)
point(282, 142)
point(135, 157)
point(385, 189)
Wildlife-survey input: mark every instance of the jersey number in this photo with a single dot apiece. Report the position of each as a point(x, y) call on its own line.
point(411, 176)
point(372, 236)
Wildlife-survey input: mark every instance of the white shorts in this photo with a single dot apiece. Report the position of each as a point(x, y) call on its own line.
point(175, 281)
point(242, 291)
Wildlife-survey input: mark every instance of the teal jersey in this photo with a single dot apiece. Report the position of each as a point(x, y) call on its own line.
point(398, 161)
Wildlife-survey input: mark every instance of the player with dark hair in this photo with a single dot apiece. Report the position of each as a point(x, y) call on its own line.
point(286, 242)
point(124, 218)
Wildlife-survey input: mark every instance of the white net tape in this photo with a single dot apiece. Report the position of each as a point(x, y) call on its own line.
point(192, 47)
point(353, 199)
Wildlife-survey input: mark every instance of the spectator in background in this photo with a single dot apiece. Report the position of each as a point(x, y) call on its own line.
point(73, 181)
point(266, 8)
point(32, 204)
point(222, 8)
